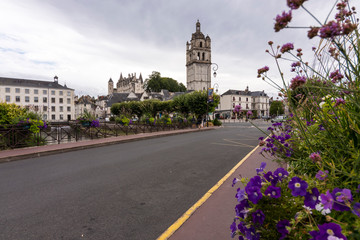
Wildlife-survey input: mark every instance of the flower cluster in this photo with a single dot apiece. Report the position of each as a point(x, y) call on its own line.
point(262, 70)
point(297, 82)
point(286, 47)
point(278, 141)
point(281, 21)
point(272, 204)
point(95, 123)
point(237, 109)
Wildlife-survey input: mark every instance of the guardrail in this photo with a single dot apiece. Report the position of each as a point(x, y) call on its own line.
point(14, 136)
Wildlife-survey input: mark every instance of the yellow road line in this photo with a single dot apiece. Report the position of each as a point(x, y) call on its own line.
point(175, 226)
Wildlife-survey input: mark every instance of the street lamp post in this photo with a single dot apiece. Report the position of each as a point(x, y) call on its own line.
point(215, 68)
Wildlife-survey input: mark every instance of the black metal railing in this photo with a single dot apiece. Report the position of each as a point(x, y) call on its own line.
point(15, 136)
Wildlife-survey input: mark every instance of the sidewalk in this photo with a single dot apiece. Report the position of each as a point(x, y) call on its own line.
point(211, 216)
point(22, 153)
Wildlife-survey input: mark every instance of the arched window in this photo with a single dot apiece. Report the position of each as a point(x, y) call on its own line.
point(198, 57)
point(203, 56)
point(200, 44)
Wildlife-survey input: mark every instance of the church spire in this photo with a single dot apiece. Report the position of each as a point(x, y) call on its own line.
point(198, 26)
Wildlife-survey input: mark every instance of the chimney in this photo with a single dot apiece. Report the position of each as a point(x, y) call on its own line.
point(56, 79)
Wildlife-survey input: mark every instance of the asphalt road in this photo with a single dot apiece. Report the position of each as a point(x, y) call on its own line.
point(134, 190)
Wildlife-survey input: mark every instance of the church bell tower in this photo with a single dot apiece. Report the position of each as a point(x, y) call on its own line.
point(198, 61)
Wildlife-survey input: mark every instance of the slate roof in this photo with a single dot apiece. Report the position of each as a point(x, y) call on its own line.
point(245, 93)
point(121, 97)
point(31, 83)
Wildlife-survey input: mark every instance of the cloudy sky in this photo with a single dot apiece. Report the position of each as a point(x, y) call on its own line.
point(86, 42)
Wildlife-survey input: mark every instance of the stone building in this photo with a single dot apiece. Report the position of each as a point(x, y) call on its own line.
point(51, 100)
point(126, 84)
point(198, 61)
point(257, 101)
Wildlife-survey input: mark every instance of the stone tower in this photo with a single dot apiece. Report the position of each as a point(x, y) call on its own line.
point(198, 61)
point(110, 87)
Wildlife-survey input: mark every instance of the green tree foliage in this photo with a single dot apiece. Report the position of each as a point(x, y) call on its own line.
point(10, 112)
point(276, 108)
point(155, 83)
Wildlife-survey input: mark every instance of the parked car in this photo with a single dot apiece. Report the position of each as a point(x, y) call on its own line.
point(278, 119)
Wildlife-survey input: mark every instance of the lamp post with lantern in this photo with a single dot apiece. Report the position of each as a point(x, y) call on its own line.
point(215, 68)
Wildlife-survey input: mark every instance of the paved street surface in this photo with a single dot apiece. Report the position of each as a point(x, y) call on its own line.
point(133, 190)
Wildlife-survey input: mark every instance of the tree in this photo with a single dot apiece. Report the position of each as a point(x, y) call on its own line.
point(276, 108)
point(155, 83)
point(197, 103)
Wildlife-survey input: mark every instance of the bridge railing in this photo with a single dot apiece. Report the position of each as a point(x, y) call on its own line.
point(15, 136)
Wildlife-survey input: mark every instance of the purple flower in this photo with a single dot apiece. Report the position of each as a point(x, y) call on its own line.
point(254, 194)
point(281, 173)
point(254, 182)
point(338, 194)
point(271, 178)
point(330, 30)
point(358, 189)
point(327, 230)
point(286, 47)
point(251, 234)
point(240, 195)
point(295, 4)
point(281, 228)
point(315, 157)
point(313, 32)
point(273, 192)
point(336, 76)
point(345, 196)
point(235, 180)
point(261, 169)
point(258, 216)
point(249, 113)
point(297, 81)
point(327, 200)
point(339, 101)
point(322, 175)
point(356, 209)
point(311, 199)
point(298, 187)
point(282, 21)
point(233, 229)
point(242, 228)
point(241, 208)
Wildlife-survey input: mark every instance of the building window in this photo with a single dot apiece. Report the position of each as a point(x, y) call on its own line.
point(233, 98)
point(239, 98)
point(53, 108)
point(36, 99)
point(45, 108)
point(27, 91)
point(69, 109)
point(233, 105)
point(17, 90)
point(247, 99)
point(68, 93)
point(45, 117)
point(17, 98)
point(247, 106)
point(53, 100)
point(27, 99)
point(61, 117)
point(36, 108)
point(44, 92)
point(68, 101)
point(61, 108)
point(44, 99)
point(7, 98)
point(7, 90)
point(53, 117)
point(60, 93)
point(61, 100)
point(36, 91)
point(52, 92)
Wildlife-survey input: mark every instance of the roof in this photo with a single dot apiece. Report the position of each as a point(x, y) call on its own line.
point(122, 97)
point(31, 83)
point(245, 93)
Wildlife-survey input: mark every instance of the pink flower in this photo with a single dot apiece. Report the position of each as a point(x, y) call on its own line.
point(315, 157)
